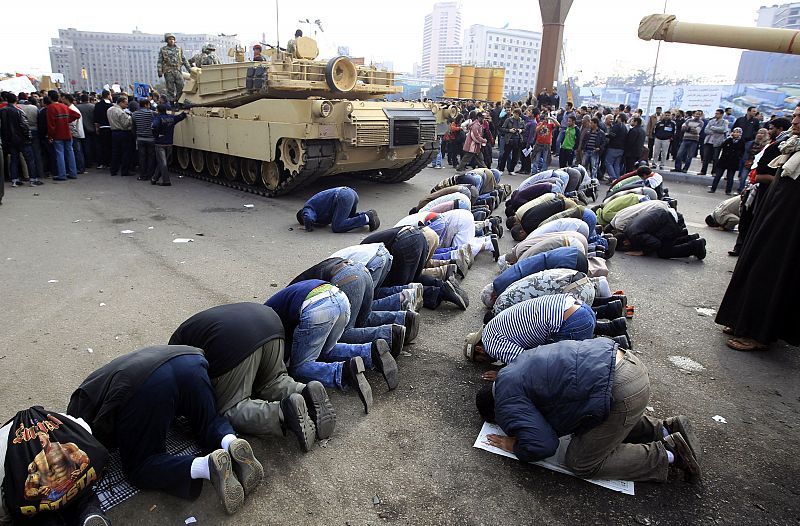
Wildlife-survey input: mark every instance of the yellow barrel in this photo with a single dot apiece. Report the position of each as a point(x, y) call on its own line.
point(497, 84)
point(480, 90)
point(452, 76)
point(466, 82)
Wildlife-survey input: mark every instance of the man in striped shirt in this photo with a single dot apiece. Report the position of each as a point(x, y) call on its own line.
point(591, 145)
point(145, 143)
point(530, 324)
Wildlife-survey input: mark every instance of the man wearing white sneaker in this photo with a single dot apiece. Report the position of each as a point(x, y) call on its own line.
point(131, 402)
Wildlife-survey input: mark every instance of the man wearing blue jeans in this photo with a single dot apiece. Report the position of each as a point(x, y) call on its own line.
point(691, 138)
point(366, 325)
point(314, 315)
point(529, 324)
point(336, 207)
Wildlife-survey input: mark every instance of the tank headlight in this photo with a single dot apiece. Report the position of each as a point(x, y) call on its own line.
point(326, 108)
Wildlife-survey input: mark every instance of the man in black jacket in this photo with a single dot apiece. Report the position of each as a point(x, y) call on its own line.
point(410, 251)
point(634, 144)
point(103, 129)
point(244, 346)
point(16, 137)
point(615, 147)
point(131, 402)
point(657, 231)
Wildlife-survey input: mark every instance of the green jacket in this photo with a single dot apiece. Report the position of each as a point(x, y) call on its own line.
point(570, 135)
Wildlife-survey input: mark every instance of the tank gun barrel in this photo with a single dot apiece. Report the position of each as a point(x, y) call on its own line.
point(668, 28)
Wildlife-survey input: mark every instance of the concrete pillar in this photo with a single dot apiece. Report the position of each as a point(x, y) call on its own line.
point(554, 13)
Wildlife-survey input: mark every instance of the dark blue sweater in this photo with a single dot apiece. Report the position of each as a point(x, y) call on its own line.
point(288, 302)
point(553, 391)
point(319, 209)
point(164, 126)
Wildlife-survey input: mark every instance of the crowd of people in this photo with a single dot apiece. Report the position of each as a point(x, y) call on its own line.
point(58, 136)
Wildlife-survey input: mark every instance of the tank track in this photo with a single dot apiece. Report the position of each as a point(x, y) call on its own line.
point(406, 172)
point(320, 157)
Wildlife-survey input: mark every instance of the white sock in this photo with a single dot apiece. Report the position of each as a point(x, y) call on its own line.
point(199, 468)
point(226, 441)
point(603, 289)
point(670, 457)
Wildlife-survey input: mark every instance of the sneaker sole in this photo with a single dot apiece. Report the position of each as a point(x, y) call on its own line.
point(231, 492)
point(460, 303)
point(321, 410)
point(250, 471)
point(693, 471)
point(686, 429)
point(301, 424)
point(95, 520)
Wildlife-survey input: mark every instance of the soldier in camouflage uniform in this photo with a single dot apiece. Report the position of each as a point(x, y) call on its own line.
point(170, 61)
point(206, 57)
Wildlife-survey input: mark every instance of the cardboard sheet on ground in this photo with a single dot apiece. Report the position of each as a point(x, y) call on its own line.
point(554, 463)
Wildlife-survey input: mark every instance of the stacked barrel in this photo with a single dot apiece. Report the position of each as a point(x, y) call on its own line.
point(466, 83)
point(497, 84)
point(452, 80)
point(480, 89)
point(470, 82)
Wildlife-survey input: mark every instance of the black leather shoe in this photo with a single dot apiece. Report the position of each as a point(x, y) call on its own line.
point(610, 311)
point(384, 362)
point(495, 247)
point(615, 327)
point(374, 220)
point(398, 338)
point(412, 326)
point(353, 376)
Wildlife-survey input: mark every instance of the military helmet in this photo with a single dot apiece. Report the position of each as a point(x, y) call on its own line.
point(167, 36)
point(211, 47)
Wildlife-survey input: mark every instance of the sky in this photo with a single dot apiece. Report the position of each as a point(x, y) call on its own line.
point(600, 35)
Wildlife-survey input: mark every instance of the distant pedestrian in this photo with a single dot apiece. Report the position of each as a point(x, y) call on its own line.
point(119, 118)
point(60, 136)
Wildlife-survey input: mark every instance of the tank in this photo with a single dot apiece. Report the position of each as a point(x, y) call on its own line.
point(270, 127)
point(668, 28)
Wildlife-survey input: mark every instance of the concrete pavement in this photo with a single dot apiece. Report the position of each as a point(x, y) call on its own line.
point(414, 451)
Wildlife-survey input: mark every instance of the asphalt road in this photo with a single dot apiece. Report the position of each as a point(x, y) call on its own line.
point(117, 292)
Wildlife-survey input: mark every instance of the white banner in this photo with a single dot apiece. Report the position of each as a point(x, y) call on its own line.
point(17, 85)
point(685, 97)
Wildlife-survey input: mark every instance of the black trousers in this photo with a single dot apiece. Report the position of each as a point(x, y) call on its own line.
point(104, 150)
point(147, 158)
point(508, 161)
point(120, 152)
point(565, 158)
point(409, 253)
point(710, 156)
point(178, 387)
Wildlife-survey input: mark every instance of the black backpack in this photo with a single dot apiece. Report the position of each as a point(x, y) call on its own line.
point(50, 461)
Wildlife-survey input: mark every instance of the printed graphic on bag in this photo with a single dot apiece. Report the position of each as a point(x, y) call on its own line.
point(49, 462)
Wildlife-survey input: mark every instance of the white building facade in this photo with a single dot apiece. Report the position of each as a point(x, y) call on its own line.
point(123, 58)
point(517, 50)
point(441, 39)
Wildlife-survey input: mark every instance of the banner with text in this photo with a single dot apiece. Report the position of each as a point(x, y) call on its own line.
point(706, 98)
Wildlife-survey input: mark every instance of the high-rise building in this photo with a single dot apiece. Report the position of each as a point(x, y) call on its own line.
point(772, 68)
point(441, 39)
point(122, 58)
point(516, 50)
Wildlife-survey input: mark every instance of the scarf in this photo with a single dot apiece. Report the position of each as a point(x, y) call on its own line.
point(788, 161)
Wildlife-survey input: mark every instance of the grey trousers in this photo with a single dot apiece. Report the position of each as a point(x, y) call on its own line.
point(628, 444)
point(161, 171)
point(249, 395)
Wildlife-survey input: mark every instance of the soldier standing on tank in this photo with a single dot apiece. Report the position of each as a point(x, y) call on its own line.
point(210, 57)
point(170, 60)
point(257, 56)
point(291, 45)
